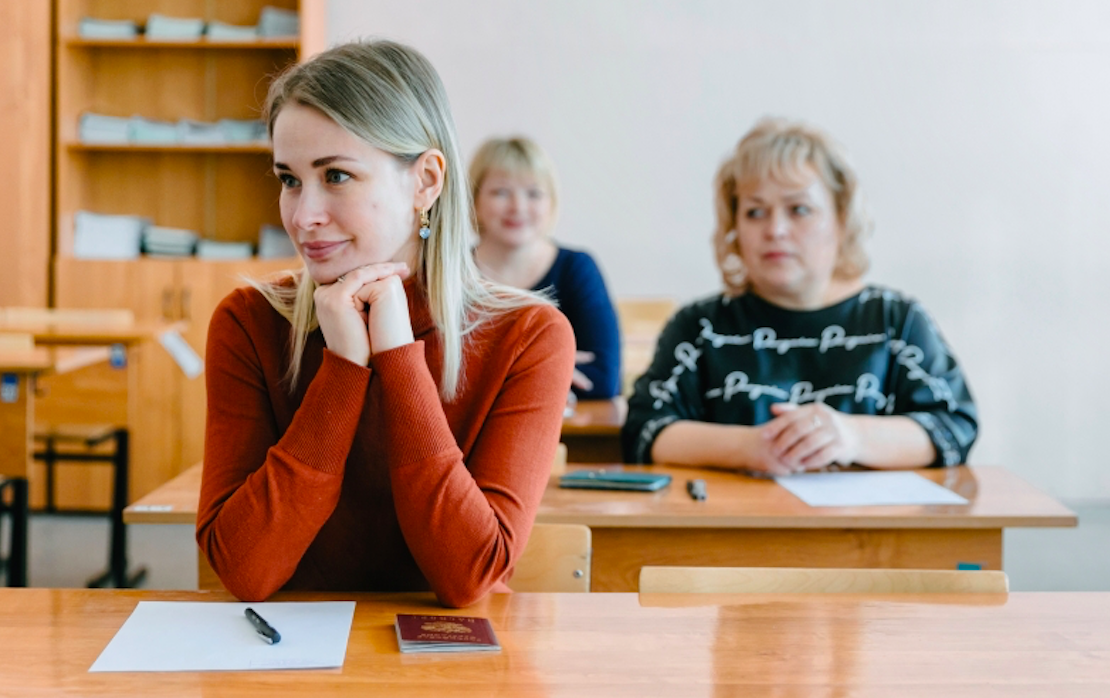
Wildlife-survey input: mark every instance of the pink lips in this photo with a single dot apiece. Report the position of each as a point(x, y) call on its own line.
point(775, 255)
point(321, 249)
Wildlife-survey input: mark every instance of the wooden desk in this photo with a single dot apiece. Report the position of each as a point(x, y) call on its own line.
point(17, 420)
point(17, 408)
point(1018, 645)
point(593, 433)
point(118, 399)
point(750, 522)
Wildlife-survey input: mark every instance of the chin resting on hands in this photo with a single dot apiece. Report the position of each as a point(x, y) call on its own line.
point(365, 311)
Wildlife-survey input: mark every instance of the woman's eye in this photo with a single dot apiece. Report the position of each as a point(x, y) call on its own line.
point(754, 213)
point(288, 181)
point(336, 176)
point(535, 194)
point(801, 210)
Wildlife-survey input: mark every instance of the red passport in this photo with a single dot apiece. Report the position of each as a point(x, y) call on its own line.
point(445, 634)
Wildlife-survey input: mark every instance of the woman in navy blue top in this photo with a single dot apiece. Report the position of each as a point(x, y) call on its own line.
point(515, 200)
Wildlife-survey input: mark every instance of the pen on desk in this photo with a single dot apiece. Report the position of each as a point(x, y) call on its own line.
point(696, 488)
point(264, 629)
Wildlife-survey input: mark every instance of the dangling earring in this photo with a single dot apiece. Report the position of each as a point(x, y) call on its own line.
point(425, 224)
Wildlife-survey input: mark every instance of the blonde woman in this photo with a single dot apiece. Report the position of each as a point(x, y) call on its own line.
point(384, 420)
point(515, 201)
point(798, 364)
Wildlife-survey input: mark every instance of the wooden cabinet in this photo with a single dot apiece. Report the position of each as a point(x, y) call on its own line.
point(224, 192)
point(25, 151)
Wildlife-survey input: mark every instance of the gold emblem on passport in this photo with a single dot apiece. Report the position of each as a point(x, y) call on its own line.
point(444, 626)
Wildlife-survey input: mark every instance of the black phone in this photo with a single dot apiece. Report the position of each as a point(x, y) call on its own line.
point(614, 480)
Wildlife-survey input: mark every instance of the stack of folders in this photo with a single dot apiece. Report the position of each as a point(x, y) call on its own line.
point(169, 242)
point(92, 28)
point(98, 236)
point(221, 31)
point(163, 28)
point(274, 243)
point(104, 129)
point(151, 131)
point(100, 128)
point(275, 21)
point(213, 249)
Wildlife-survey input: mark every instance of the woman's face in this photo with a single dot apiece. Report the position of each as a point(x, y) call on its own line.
point(789, 235)
point(344, 202)
point(512, 209)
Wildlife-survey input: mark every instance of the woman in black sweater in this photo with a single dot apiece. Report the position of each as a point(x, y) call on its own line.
point(798, 364)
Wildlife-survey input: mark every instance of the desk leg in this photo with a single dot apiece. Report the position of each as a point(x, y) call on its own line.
point(619, 553)
point(20, 512)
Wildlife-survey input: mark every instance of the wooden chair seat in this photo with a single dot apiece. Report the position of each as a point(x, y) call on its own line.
point(788, 580)
point(556, 559)
point(88, 435)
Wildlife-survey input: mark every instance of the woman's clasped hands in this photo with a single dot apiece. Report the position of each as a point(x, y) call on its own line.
point(806, 437)
point(365, 311)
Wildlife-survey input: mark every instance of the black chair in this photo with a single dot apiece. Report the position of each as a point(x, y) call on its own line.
point(88, 438)
point(14, 505)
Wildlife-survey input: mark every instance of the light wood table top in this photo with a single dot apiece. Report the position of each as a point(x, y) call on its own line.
point(175, 502)
point(596, 418)
point(998, 499)
point(86, 334)
point(619, 645)
point(26, 361)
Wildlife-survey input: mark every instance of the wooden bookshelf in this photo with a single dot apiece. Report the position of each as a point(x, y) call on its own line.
point(226, 149)
point(203, 43)
point(225, 192)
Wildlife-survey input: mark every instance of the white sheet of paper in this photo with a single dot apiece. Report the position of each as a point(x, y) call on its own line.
point(854, 489)
point(199, 636)
point(188, 360)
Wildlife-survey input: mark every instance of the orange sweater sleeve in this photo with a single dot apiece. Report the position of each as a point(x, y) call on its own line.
point(467, 522)
point(255, 523)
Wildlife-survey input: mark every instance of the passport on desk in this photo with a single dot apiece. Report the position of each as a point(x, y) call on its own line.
point(445, 634)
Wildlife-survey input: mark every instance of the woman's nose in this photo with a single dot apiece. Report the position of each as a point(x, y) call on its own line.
point(310, 211)
point(778, 225)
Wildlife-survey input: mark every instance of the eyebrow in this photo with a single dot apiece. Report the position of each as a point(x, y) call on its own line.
point(793, 195)
point(319, 162)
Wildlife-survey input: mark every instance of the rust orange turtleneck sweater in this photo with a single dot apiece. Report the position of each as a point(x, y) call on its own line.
point(363, 480)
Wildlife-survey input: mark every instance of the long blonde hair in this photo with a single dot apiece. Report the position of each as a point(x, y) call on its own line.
point(390, 96)
point(778, 149)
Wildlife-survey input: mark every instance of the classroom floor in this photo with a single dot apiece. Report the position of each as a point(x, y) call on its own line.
point(67, 550)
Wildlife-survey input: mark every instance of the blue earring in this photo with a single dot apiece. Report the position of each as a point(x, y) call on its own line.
point(425, 225)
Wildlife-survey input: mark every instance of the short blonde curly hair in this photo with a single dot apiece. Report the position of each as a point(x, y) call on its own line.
point(778, 149)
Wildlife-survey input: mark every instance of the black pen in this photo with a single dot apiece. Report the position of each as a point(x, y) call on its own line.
point(268, 633)
point(696, 488)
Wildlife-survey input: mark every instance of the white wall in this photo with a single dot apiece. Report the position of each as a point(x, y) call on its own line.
point(980, 128)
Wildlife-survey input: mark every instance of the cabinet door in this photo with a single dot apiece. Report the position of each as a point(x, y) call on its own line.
point(146, 394)
point(204, 284)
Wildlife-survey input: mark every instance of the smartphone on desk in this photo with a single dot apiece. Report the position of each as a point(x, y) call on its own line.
point(614, 480)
